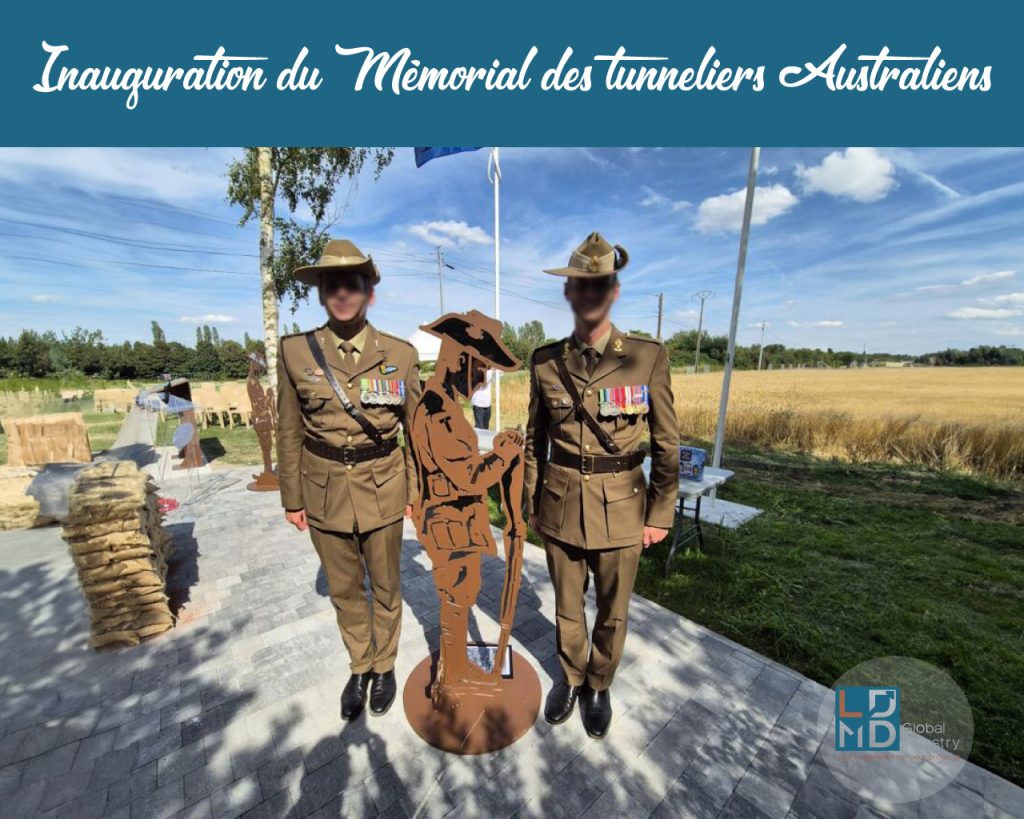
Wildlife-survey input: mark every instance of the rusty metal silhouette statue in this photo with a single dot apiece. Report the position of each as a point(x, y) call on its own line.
point(264, 422)
point(454, 703)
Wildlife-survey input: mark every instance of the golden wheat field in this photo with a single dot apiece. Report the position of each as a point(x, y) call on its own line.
point(969, 419)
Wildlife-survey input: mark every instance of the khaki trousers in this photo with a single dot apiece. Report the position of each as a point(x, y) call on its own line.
point(584, 657)
point(370, 633)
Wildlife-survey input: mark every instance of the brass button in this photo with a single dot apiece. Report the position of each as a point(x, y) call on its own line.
point(348, 467)
point(349, 385)
point(635, 490)
point(586, 477)
point(349, 439)
point(589, 391)
point(586, 447)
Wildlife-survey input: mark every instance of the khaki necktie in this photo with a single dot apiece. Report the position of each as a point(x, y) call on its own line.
point(590, 360)
point(348, 360)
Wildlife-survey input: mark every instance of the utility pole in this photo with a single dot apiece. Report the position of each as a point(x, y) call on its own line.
point(702, 295)
point(760, 352)
point(661, 307)
point(440, 276)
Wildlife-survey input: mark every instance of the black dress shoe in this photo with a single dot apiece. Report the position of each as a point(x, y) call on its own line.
point(597, 712)
point(353, 697)
point(561, 700)
point(382, 692)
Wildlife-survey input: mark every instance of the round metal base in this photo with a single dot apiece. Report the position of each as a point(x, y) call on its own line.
point(476, 724)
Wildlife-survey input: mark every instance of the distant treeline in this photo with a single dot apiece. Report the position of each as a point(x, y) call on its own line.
point(86, 353)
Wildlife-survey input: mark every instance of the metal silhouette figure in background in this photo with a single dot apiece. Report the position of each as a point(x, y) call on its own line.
point(451, 513)
point(264, 422)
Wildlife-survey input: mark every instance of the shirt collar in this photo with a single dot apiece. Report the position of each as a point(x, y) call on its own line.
point(598, 346)
point(358, 341)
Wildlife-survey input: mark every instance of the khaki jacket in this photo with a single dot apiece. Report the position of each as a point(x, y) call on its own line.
point(603, 510)
point(339, 497)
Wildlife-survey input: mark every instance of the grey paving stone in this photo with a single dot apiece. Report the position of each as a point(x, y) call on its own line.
point(161, 803)
point(235, 710)
point(112, 766)
point(236, 799)
point(53, 763)
point(179, 762)
point(123, 792)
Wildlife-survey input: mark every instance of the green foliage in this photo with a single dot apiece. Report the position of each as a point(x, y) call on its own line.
point(523, 341)
point(985, 355)
point(300, 176)
point(83, 356)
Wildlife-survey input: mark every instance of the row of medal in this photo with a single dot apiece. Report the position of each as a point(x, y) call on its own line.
point(614, 401)
point(382, 391)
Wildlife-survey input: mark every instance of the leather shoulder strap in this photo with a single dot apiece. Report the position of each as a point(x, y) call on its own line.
point(581, 411)
point(350, 408)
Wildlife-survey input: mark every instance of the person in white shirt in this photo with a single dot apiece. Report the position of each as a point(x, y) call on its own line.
point(481, 401)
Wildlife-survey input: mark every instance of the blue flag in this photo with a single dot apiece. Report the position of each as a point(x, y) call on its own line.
point(424, 155)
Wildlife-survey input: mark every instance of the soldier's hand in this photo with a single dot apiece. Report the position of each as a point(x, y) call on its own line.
point(297, 519)
point(533, 522)
point(653, 534)
point(509, 441)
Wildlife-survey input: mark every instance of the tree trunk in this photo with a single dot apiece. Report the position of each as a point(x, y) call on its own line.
point(269, 292)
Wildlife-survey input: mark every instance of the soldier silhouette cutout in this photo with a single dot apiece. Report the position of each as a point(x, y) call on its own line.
point(264, 422)
point(452, 522)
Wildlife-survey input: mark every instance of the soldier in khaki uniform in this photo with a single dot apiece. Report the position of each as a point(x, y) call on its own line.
point(344, 390)
point(592, 397)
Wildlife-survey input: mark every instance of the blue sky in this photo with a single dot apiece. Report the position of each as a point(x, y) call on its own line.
point(904, 250)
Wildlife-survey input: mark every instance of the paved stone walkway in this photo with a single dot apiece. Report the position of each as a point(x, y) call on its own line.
point(235, 711)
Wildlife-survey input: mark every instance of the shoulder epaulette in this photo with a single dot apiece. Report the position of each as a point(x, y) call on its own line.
point(637, 337)
point(404, 341)
point(551, 345)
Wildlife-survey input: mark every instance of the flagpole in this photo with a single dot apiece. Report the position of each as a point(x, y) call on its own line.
point(496, 180)
point(737, 295)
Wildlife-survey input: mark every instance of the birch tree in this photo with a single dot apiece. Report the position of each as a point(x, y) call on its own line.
point(310, 178)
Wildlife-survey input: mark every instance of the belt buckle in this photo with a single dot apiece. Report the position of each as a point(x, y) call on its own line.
point(586, 464)
point(348, 455)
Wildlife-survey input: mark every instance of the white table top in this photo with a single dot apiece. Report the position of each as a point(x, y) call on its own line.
point(692, 489)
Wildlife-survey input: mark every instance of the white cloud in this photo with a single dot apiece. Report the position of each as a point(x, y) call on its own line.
point(654, 199)
point(822, 323)
point(984, 313)
point(1008, 298)
point(769, 170)
point(450, 234)
point(45, 297)
point(981, 278)
point(1010, 331)
point(989, 277)
point(861, 174)
point(209, 318)
point(725, 212)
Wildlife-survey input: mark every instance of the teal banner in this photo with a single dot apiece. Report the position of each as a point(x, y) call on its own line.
point(524, 73)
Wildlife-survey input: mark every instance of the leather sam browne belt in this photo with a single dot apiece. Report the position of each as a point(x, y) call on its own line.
point(351, 454)
point(588, 464)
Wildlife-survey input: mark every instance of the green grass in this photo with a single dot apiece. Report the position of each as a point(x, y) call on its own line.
point(224, 446)
point(848, 563)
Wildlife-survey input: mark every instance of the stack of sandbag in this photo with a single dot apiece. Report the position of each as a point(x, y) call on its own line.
point(18, 510)
point(121, 550)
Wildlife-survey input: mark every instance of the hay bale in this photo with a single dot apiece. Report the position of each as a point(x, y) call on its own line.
point(18, 510)
point(46, 439)
point(116, 538)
